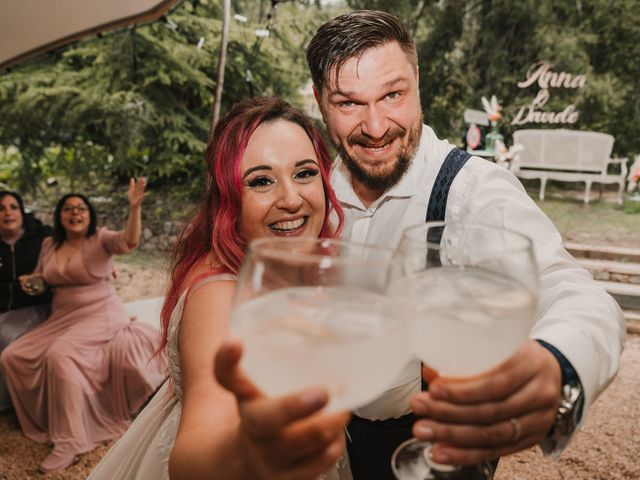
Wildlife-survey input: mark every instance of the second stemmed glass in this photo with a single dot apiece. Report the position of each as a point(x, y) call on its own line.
point(472, 296)
point(313, 312)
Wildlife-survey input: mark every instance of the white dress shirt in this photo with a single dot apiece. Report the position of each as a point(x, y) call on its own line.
point(574, 314)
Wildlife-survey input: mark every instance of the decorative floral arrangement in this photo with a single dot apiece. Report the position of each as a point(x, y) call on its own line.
point(493, 109)
point(633, 187)
point(506, 157)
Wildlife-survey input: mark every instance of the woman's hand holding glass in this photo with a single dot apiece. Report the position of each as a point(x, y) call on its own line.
point(472, 292)
point(282, 437)
point(32, 284)
point(314, 318)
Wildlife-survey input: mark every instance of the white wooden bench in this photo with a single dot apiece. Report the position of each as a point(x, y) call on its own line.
point(568, 156)
point(147, 311)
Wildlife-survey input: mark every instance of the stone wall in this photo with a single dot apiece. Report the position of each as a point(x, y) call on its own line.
point(156, 236)
point(160, 239)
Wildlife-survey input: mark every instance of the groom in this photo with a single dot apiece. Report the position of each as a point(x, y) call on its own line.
point(391, 167)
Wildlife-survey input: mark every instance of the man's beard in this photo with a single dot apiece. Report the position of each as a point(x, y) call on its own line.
point(382, 180)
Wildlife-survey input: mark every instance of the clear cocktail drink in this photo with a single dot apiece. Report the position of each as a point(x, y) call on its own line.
point(350, 341)
point(465, 321)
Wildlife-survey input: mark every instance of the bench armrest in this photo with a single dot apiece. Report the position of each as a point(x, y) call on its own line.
point(619, 161)
point(514, 164)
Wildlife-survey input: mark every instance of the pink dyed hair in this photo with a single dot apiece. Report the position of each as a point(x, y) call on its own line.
point(213, 229)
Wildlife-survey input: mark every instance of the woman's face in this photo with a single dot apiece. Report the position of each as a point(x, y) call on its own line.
point(10, 216)
point(282, 189)
point(74, 217)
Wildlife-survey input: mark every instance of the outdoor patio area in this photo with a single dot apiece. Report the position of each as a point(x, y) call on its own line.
point(319, 239)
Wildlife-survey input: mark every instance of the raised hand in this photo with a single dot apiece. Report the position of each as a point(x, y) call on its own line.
point(136, 192)
point(286, 437)
point(505, 410)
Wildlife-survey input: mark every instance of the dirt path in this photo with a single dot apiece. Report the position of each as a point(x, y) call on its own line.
point(608, 444)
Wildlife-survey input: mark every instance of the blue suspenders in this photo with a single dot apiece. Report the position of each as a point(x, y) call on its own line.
point(372, 442)
point(440, 192)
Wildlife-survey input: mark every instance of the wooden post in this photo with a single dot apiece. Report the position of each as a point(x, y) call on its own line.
point(221, 63)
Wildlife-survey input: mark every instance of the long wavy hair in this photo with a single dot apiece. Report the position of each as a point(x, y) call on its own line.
point(59, 233)
point(212, 233)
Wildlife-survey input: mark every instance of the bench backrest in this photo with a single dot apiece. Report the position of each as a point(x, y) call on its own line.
point(563, 149)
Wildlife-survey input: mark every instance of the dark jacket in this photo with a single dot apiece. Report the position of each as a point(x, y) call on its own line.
point(20, 259)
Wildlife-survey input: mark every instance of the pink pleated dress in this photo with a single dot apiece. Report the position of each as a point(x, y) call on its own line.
point(76, 379)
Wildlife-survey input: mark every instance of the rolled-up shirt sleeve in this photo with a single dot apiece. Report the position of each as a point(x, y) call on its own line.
point(575, 314)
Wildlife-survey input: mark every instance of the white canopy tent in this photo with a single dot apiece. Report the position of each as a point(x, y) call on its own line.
point(31, 27)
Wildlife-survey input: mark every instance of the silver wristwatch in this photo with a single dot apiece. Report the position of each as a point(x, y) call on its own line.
point(567, 419)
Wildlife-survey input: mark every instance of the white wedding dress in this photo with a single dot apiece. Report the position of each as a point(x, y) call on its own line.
point(142, 453)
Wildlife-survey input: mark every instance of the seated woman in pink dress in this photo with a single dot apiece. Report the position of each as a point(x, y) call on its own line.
point(75, 379)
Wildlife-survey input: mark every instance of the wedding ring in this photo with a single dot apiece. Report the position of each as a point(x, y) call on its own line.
point(517, 429)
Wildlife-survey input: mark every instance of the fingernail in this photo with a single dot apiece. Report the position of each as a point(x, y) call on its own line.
point(420, 407)
point(437, 392)
point(424, 432)
point(314, 398)
point(439, 456)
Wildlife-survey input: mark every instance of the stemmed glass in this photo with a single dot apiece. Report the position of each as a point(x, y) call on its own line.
point(314, 312)
point(471, 293)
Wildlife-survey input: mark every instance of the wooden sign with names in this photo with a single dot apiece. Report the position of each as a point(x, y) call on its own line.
point(541, 73)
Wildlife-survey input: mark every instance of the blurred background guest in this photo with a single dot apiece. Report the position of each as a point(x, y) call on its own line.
point(76, 379)
point(21, 238)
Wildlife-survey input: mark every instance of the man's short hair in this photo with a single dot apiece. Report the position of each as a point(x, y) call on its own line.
point(351, 35)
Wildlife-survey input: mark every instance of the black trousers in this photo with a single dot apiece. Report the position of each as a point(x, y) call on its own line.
point(372, 443)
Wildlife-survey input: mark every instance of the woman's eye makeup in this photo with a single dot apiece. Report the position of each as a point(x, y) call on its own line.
point(264, 183)
point(261, 183)
point(307, 174)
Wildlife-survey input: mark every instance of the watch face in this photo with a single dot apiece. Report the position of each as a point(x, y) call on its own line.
point(567, 419)
point(570, 409)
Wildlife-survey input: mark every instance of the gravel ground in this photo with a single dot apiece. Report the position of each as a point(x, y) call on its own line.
point(608, 444)
point(606, 448)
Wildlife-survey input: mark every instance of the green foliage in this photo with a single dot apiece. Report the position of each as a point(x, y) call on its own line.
point(631, 207)
point(484, 47)
point(139, 101)
point(10, 164)
point(602, 220)
point(412, 11)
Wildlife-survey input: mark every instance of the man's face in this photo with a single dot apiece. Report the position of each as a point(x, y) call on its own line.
point(373, 115)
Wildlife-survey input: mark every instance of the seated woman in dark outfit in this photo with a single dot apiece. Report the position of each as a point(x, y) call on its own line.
point(21, 238)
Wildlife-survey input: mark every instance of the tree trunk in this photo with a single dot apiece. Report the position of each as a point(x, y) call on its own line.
point(221, 63)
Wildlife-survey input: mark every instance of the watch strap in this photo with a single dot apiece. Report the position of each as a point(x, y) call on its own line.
point(569, 373)
point(570, 408)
